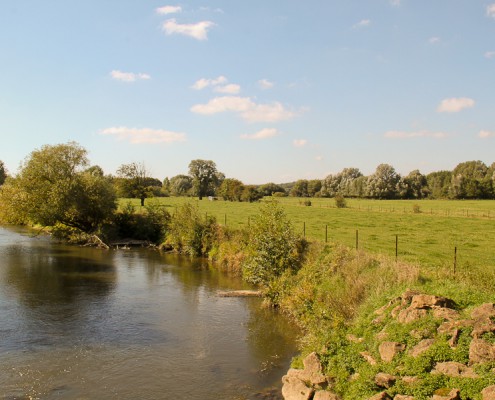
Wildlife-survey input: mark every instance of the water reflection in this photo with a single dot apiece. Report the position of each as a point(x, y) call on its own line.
point(85, 323)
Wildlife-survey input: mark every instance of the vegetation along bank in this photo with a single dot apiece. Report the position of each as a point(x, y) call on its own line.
point(375, 326)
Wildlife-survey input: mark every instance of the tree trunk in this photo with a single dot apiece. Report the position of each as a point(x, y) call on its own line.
point(142, 201)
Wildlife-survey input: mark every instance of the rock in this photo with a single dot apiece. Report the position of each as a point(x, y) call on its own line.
point(426, 301)
point(411, 314)
point(481, 351)
point(403, 397)
point(455, 338)
point(385, 380)
point(313, 371)
point(488, 393)
point(324, 395)
point(454, 369)
point(410, 380)
point(388, 350)
point(486, 310)
point(482, 326)
point(445, 313)
point(381, 396)
point(408, 295)
point(295, 389)
point(454, 394)
point(368, 357)
point(421, 347)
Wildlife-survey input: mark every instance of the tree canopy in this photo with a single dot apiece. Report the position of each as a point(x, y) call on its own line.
point(205, 177)
point(52, 188)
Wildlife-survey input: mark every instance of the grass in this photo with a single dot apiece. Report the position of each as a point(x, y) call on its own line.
point(428, 237)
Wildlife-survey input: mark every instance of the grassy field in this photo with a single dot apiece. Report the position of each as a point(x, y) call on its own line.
point(429, 237)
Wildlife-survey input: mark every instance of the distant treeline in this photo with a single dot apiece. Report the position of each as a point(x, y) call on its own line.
point(468, 180)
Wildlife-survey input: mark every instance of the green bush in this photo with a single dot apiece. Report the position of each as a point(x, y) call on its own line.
point(340, 201)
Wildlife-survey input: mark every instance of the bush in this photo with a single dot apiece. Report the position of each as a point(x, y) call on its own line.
point(279, 194)
point(272, 249)
point(340, 201)
point(416, 209)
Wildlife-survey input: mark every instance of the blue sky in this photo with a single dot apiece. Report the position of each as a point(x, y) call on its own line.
point(273, 90)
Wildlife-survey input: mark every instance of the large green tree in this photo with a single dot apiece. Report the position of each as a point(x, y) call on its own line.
point(384, 183)
point(135, 181)
point(231, 189)
point(180, 185)
point(3, 173)
point(471, 180)
point(53, 188)
point(205, 177)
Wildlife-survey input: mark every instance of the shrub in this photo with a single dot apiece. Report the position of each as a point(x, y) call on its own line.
point(279, 194)
point(340, 201)
point(416, 209)
point(273, 247)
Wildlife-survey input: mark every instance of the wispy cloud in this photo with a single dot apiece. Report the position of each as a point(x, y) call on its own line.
point(263, 134)
point(265, 84)
point(434, 40)
point(165, 10)
point(486, 134)
point(490, 10)
point(415, 134)
point(198, 31)
point(203, 83)
point(246, 108)
point(362, 24)
point(490, 54)
point(144, 135)
point(228, 89)
point(300, 142)
point(128, 76)
point(453, 105)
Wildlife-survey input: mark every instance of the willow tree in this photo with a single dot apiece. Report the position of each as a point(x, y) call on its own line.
point(52, 187)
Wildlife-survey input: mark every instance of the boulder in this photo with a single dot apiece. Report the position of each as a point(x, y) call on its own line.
point(486, 310)
point(427, 301)
point(454, 394)
point(324, 395)
point(381, 396)
point(488, 393)
point(313, 371)
point(454, 369)
point(411, 314)
point(295, 389)
point(481, 351)
point(388, 350)
point(482, 326)
point(446, 314)
point(421, 347)
point(384, 380)
point(403, 397)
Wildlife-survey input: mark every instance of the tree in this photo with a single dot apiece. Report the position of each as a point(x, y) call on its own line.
point(471, 180)
point(300, 189)
point(205, 177)
point(269, 188)
point(52, 188)
point(231, 189)
point(251, 193)
point(416, 185)
point(383, 184)
point(3, 173)
point(135, 181)
point(314, 187)
point(180, 185)
point(439, 184)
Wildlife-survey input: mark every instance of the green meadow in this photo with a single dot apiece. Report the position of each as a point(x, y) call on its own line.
point(429, 237)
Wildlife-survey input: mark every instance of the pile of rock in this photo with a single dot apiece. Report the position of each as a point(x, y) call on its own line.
point(311, 382)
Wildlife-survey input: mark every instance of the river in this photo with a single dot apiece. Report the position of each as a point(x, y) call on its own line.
point(82, 323)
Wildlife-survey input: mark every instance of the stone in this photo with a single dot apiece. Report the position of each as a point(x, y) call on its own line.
point(486, 310)
point(421, 347)
point(454, 394)
point(324, 395)
point(388, 350)
point(482, 326)
point(381, 396)
point(454, 369)
point(481, 351)
point(488, 393)
point(368, 357)
point(385, 380)
point(295, 389)
point(403, 397)
point(313, 371)
point(408, 295)
point(446, 314)
point(410, 380)
point(426, 301)
point(455, 338)
point(411, 314)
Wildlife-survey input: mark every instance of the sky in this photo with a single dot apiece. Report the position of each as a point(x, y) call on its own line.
point(271, 91)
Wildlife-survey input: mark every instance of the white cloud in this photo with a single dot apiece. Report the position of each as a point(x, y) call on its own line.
point(490, 54)
point(486, 134)
point(128, 76)
point(434, 40)
point(362, 24)
point(197, 31)
point(417, 134)
point(263, 134)
point(455, 104)
point(165, 10)
point(144, 135)
point(204, 83)
point(246, 108)
point(300, 142)
point(228, 89)
point(490, 10)
point(265, 84)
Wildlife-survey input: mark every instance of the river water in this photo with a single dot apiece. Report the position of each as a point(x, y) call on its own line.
point(83, 323)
